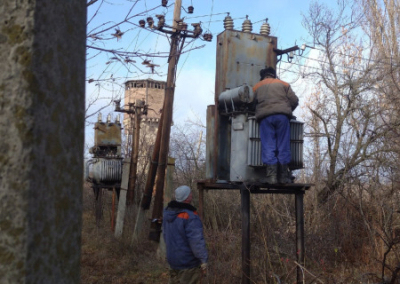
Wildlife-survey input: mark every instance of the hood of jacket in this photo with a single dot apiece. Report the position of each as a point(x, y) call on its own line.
point(174, 208)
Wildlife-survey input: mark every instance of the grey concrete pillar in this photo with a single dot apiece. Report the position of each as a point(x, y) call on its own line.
point(42, 59)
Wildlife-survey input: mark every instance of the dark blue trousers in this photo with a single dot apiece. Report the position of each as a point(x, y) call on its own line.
point(275, 139)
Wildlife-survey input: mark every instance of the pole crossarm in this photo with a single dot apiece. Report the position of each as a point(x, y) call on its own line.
point(280, 51)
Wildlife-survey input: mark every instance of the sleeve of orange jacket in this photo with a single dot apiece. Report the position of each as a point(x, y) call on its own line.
point(293, 99)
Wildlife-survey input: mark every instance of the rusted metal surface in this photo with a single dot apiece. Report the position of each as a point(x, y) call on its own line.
point(106, 166)
point(210, 145)
point(107, 134)
point(240, 57)
point(232, 99)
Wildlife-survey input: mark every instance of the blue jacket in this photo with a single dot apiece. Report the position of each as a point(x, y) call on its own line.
point(183, 235)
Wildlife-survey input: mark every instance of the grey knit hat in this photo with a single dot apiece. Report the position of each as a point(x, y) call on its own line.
point(182, 193)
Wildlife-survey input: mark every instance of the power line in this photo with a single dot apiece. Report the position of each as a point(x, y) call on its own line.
point(356, 57)
point(207, 15)
point(212, 8)
point(321, 61)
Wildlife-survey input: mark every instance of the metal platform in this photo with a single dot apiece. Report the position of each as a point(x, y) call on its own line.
point(247, 188)
point(255, 187)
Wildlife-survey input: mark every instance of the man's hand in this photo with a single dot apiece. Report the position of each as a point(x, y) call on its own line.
point(203, 267)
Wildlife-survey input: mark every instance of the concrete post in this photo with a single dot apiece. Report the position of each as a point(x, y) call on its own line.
point(169, 195)
point(122, 199)
point(42, 101)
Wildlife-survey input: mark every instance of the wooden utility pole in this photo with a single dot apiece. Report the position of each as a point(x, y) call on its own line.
point(166, 126)
point(156, 174)
point(151, 176)
point(139, 104)
point(137, 109)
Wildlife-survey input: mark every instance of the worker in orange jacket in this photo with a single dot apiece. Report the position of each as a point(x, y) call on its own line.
point(275, 103)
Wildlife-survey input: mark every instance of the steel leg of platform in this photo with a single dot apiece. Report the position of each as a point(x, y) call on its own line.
point(245, 204)
point(300, 236)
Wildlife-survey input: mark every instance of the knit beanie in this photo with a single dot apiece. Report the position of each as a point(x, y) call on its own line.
point(182, 193)
point(268, 71)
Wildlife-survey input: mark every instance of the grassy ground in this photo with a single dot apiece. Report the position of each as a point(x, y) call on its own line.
point(106, 259)
point(111, 260)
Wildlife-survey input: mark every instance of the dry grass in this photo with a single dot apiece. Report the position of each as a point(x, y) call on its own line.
point(336, 245)
point(106, 259)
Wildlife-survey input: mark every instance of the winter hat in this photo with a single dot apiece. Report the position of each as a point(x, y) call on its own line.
point(182, 193)
point(268, 71)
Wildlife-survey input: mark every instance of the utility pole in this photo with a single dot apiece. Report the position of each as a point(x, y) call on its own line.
point(139, 104)
point(137, 109)
point(151, 176)
point(166, 127)
point(156, 174)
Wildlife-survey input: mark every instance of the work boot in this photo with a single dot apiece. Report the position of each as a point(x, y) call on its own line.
point(272, 174)
point(284, 174)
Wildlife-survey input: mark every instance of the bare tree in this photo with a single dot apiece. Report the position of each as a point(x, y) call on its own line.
point(353, 119)
point(188, 148)
point(124, 41)
point(345, 104)
point(383, 27)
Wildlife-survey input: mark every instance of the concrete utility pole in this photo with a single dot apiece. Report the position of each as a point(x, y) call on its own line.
point(119, 223)
point(42, 121)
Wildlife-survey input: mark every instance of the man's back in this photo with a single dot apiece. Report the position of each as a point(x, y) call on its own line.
point(274, 96)
point(183, 235)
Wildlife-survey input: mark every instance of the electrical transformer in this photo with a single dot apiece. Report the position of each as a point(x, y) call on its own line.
point(245, 142)
point(233, 151)
point(105, 167)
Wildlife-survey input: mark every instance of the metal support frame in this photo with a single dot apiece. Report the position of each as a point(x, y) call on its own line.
point(300, 236)
point(245, 204)
point(260, 188)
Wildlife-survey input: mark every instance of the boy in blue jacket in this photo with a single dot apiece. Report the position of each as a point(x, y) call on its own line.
point(183, 234)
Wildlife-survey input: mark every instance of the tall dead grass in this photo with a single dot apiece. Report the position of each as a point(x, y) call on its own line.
point(340, 247)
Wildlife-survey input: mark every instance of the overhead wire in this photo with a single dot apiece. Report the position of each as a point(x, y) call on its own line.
point(193, 41)
point(336, 65)
point(104, 79)
point(325, 62)
point(353, 56)
point(212, 8)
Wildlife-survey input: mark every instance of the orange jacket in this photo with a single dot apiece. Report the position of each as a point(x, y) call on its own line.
point(274, 96)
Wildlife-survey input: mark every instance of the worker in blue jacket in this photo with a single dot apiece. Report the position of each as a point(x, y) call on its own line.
point(183, 234)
